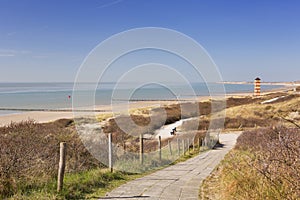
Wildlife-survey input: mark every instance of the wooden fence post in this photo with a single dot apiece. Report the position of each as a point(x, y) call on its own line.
point(141, 149)
point(159, 147)
point(188, 145)
point(183, 147)
point(62, 165)
point(110, 153)
point(193, 143)
point(178, 146)
point(170, 147)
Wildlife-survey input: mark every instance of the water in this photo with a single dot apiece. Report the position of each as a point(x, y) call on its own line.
point(59, 95)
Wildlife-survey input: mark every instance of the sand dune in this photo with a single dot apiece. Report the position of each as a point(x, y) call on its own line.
point(46, 116)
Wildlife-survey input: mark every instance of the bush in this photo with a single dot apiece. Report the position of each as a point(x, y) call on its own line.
point(29, 154)
point(231, 102)
point(264, 165)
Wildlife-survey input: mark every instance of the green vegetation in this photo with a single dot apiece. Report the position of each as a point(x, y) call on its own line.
point(90, 184)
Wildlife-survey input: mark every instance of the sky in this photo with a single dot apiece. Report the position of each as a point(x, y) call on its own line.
point(46, 41)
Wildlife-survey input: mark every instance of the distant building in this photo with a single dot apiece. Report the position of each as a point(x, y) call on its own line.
point(257, 87)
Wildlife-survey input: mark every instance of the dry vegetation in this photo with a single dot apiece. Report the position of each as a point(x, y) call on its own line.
point(29, 151)
point(264, 165)
point(143, 124)
point(247, 113)
point(29, 154)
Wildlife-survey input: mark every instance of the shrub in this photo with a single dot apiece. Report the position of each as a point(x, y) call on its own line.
point(265, 165)
point(29, 154)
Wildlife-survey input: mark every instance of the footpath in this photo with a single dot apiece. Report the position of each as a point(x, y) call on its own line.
point(180, 181)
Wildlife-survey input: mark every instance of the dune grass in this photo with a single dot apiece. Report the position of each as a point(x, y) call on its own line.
point(265, 162)
point(31, 173)
point(89, 184)
point(264, 165)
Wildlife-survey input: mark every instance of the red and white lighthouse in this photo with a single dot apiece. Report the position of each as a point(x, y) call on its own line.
point(257, 87)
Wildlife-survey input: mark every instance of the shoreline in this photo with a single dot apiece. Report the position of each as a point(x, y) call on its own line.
point(50, 115)
point(262, 83)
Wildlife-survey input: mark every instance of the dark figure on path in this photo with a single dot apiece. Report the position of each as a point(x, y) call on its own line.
point(173, 131)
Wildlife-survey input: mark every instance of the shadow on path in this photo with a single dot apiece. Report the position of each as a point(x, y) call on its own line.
point(218, 146)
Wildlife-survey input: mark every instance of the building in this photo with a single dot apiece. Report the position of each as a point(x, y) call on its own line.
point(257, 87)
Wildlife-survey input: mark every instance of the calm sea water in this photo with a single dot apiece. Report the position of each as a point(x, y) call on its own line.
point(59, 95)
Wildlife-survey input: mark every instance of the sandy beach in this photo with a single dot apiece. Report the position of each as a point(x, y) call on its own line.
point(48, 116)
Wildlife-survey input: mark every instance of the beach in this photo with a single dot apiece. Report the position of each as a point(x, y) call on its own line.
point(49, 115)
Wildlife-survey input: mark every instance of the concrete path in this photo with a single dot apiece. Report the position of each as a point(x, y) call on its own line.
point(180, 181)
point(164, 131)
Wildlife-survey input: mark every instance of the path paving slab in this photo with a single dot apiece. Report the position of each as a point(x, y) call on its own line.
point(180, 181)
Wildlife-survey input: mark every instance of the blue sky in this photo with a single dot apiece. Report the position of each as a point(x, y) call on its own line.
point(48, 40)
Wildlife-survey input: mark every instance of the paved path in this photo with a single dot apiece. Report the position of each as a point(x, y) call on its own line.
point(164, 131)
point(180, 181)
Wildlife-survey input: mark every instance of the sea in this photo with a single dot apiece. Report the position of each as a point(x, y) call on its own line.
point(16, 96)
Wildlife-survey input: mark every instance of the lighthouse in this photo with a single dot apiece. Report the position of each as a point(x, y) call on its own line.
point(257, 87)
